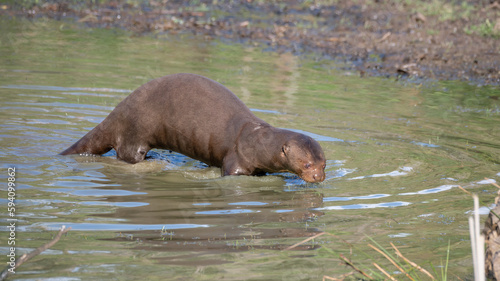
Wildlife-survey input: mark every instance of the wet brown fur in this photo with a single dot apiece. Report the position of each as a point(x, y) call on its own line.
point(202, 119)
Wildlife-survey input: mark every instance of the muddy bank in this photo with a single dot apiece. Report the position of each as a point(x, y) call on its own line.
point(423, 40)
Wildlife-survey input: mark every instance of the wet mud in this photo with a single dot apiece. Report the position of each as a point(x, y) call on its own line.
point(432, 40)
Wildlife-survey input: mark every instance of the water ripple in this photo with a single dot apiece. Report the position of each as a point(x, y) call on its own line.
point(248, 203)
point(365, 206)
point(431, 190)
point(109, 226)
point(227, 212)
point(56, 88)
point(316, 136)
point(424, 144)
point(61, 105)
point(265, 111)
point(487, 181)
point(402, 171)
point(96, 192)
point(372, 196)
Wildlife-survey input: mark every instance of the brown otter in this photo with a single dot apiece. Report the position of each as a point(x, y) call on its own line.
point(202, 119)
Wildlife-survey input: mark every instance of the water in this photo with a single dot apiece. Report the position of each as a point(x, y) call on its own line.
point(396, 154)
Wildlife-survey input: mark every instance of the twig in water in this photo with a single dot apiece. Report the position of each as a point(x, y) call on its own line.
point(304, 241)
point(26, 257)
point(496, 198)
point(316, 236)
point(391, 260)
point(349, 263)
point(330, 278)
point(492, 182)
point(463, 189)
point(384, 272)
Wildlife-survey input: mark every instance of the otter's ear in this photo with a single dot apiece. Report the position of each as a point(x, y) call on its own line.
point(285, 149)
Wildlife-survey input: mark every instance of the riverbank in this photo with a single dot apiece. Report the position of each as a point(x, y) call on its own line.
point(436, 40)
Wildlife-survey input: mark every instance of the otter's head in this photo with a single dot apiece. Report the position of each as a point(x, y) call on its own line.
point(132, 153)
point(304, 157)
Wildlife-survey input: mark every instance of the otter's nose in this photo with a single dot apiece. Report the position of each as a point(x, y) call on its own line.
point(319, 177)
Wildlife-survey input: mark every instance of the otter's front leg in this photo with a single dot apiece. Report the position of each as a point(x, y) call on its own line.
point(231, 166)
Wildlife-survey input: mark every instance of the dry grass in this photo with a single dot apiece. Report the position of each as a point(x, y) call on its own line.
point(410, 270)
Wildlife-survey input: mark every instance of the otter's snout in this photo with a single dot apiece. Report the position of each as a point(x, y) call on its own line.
point(319, 177)
point(132, 156)
point(313, 176)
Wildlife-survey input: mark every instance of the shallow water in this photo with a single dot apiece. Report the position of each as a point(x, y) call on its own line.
point(396, 154)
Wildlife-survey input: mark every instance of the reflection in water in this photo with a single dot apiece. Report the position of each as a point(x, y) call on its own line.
point(220, 202)
point(395, 155)
point(226, 209)
point(287, 79)
point(149, 202)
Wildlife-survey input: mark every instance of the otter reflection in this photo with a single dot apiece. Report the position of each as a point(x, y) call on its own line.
point(244, 209)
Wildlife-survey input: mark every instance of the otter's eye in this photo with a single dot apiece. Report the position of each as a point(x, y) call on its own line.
point(307, 165)
point(142, 152)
